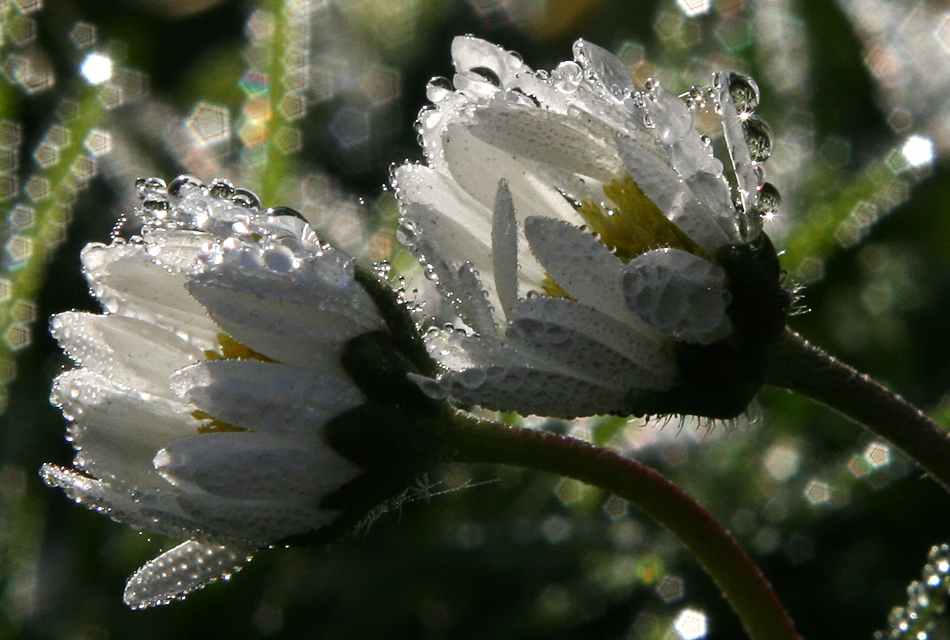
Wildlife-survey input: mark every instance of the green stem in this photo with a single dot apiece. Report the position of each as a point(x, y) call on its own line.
point(746, 589)
point(800, 367)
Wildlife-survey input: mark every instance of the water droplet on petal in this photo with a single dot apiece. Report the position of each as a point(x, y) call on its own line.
point(769, 200)
point(221, 189)
point(438, 89)
point(567, 76)
point(744, 91)
point(246, 198)
point(144, 185)
point(155, 203)
point(285, 211)
point(489, 75)
point(185, 185)
point(758, 134)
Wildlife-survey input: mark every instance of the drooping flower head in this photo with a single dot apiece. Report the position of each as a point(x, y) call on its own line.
point(230, 393)
point(589, 239)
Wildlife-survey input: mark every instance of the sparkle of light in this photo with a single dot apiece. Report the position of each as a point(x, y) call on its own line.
point(918, 150)
point(690, 624)
point(694, 7)
point(96, 68)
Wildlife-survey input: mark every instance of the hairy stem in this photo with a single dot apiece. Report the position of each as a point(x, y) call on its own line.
point(746, 589)
point(803, 368)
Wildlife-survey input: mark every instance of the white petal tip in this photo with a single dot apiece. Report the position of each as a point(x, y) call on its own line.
point(179, 571)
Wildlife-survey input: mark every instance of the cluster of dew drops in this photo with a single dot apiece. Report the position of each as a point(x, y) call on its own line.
point(927, 598)
point(569, 75)
point(158, 199)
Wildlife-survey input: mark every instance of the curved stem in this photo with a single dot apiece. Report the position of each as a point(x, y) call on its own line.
point(746, 589)
point(803, 368)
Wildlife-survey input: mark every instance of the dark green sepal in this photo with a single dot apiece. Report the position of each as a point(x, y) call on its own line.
point(394, 446)
point(379, 368)
point(398, 320)
point(386, 437)
point(721, 379)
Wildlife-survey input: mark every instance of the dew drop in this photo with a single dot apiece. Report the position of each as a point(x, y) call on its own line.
point(155, 203)
point(567, 76)
point(769, 200)
point(144, 185)
point(471, 378)
point(744, 92)
point(758, 135)
point(487, 74)
point(221, 189)
point(285, 211)
point(185, 185)
point(438, 89)
point(246, 198)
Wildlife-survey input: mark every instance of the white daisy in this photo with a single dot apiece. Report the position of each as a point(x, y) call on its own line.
point(202, 400)
point(589, 240)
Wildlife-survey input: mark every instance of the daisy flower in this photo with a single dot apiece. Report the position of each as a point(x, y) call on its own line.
point(599, 257)
point(215, 399)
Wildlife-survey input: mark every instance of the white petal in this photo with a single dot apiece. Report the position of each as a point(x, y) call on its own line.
point(458, 225)
point(268, 397)
point(152, 510)
point(264, 522)
point(477, 167)
point(128, 283)
point(179, 571)
point(712, 192)
point(679, 293)
point(652, 173)
point(530, 391)
point(619, 355)
point(135, 354)
point(504, 238)
point(547, 138)
point(580, 264)
point(609, 70)
point(117, 431)
point(254, 467)
point(286, 321)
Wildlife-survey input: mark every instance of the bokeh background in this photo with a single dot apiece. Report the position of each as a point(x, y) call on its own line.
point(309, 102)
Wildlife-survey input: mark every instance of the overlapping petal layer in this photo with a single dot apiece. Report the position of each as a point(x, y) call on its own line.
point(572, 222)
point(198, 407)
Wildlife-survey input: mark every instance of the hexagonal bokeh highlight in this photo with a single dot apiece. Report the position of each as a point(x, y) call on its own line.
point(209, 123)
point(17, 336)
point(11, 134)
point(19, 248)
point(38, 188)
point(691, 624)
point(98, 142)
point(96, 68)
point(670, 589)
point(21, 217)
point(350, 127)
point(292, 106)
point(83, 34)
point(381, 84)
point(46, 155)
point(694, 7)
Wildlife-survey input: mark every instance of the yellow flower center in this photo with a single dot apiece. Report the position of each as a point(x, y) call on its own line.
point(231, 349)
point(635, 225)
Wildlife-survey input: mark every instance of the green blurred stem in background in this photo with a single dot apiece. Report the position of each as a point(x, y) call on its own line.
point(803, 368)
point(742, 583)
